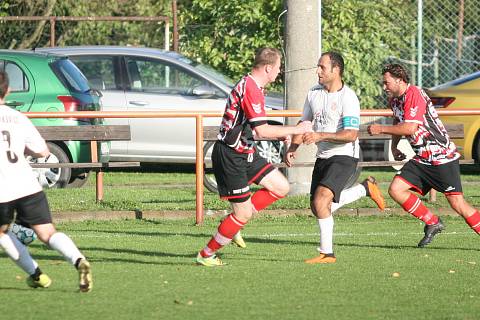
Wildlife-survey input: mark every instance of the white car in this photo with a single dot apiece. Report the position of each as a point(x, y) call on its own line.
point(146, 79)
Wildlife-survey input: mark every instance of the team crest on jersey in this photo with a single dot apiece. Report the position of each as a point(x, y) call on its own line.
point(257, 107)
point(413, 111)
point(333, 106)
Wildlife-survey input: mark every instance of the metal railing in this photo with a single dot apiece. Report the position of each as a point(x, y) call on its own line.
point(199, 115)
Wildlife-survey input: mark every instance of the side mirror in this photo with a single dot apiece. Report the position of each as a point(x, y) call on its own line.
point(204, 91)
point(96, 92)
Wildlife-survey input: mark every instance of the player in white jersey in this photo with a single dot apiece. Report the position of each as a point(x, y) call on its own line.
point(20, 192)
point(334, 110)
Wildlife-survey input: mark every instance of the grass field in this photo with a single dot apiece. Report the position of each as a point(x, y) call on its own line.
point(144, 270)
point(149, 191)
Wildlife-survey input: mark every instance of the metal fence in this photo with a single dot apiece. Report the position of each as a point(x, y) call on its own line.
point(449, 44)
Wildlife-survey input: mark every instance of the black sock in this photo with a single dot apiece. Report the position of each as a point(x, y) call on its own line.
point(365, 185)
point(36, 275)
point(77, 262)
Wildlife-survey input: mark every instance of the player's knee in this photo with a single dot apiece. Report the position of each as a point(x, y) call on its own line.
point(457, 203)
point(4, 228)
point(393, 192)
point(44, 232)
point(282, 188)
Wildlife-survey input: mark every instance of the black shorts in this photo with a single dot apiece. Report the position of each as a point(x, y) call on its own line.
point(333, 173)
point(31, 210)
point(444, 178)
point(235, 171)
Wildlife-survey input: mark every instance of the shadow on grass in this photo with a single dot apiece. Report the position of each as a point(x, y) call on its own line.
point(207, 236)
point(152, 254)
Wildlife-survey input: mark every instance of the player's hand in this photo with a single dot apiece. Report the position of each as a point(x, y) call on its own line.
point(289, 156)
point(374, 129)
point(311, 137)
point(287, 140)
point(304, 126)
point(398, 155)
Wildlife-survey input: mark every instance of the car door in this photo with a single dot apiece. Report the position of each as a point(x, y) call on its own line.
point(22, 86)
point(158, 85)
point(103, 73)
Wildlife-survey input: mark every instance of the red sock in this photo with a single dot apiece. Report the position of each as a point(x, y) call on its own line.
point(474, 221)
point(263, 198)
point(415, 207)
point(226, 230)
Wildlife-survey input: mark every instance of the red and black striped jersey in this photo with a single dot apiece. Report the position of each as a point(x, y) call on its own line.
point(431, 143)
point(245, 109)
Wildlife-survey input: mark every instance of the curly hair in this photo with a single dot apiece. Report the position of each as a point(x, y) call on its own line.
point(397, 71)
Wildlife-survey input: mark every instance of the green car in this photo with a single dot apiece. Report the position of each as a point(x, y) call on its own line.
point(42, 82)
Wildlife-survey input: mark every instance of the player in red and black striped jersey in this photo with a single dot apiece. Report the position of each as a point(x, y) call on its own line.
point(236, 162)
point(435, 164)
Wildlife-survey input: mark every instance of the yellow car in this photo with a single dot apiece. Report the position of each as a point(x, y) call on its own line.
point(462, 93)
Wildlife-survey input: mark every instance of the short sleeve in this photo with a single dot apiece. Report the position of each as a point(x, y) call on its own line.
point(307, 114)
point(415, 106)
point(351, 111)
point(253, 104)
point(33, 139)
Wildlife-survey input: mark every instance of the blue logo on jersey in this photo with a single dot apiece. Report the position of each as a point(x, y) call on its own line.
point(351, 122)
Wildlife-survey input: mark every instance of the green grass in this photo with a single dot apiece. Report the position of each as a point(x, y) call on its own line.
point(144, 270)
point(149, 191)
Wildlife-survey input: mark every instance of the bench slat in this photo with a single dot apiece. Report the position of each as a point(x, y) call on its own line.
point(85, 133)
point(79, 165)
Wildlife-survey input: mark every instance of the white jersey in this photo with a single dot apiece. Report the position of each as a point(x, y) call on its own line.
point(17, 179)
point(333, 112)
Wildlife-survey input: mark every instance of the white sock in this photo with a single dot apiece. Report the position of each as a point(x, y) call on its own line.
point(65, 246)
point(18, 252)
point(326, 234)
point(7, 244)
point(348, 196)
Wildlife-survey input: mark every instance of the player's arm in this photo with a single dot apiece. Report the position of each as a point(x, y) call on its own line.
point(343, 136)
point(35, 145)
point(266, 131)
point(37, 154)
point(401, 129)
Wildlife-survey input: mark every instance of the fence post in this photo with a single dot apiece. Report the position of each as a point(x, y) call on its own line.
point(199, 169)
point(98, 174)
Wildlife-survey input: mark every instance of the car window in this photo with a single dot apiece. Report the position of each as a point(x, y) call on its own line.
point(99, 71)
point(18, 81)
point(70, 75)
point(159, 77)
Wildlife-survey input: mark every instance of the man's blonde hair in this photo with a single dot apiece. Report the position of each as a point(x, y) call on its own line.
point(266, 56)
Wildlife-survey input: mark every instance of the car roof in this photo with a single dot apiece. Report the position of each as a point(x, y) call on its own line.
point(31, 54)
point(113, 50)
point(459, 81)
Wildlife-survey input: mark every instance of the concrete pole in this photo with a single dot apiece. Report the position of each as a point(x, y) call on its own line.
point(303, 48)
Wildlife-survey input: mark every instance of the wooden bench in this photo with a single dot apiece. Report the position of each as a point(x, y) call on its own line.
point(454, 131)
point(92, 133)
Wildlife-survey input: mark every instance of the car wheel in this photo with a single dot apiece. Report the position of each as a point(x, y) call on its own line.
point(272, 151)
point(208, 178)
point(476, 149)
point(78, 179)
point(53, 177)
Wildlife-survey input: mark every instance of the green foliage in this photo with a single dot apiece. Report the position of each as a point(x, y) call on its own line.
point(86, 33)
point(225, 34)
point(367, 33)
